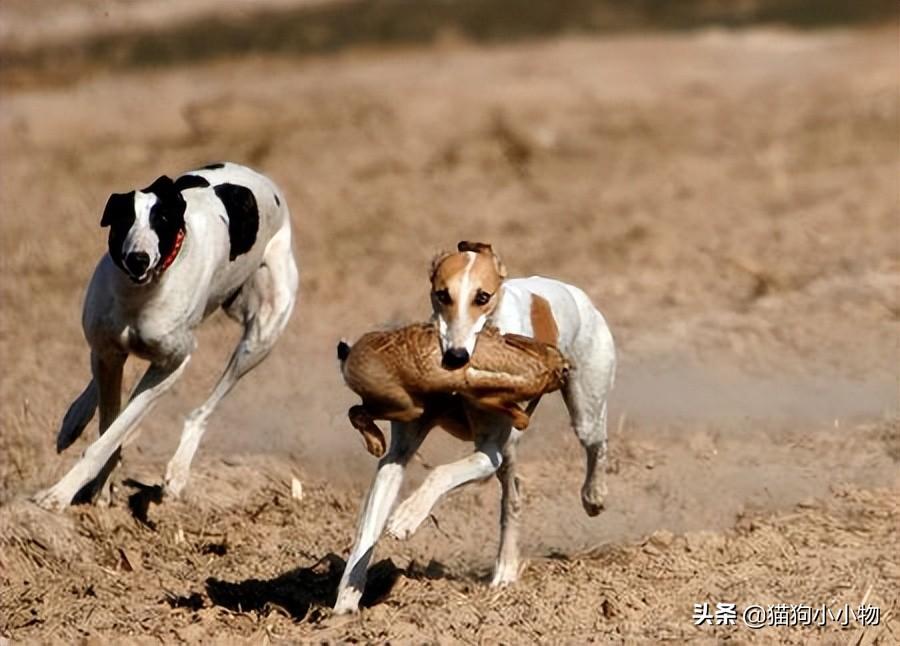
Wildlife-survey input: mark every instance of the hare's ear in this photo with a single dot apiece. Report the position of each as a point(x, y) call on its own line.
point(118, 206)
point(436, 263)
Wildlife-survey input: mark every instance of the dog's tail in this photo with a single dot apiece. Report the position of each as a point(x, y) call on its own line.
point(78, 416)
point(343, 351)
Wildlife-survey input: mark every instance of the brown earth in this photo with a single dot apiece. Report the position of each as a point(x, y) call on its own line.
point(729, 199)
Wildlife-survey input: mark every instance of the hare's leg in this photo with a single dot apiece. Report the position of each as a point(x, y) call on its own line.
point(502, 404)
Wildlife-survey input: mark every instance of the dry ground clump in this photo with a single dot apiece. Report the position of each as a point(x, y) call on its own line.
point(728, 199)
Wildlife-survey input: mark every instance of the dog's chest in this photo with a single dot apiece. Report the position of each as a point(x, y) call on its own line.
point(156, 333)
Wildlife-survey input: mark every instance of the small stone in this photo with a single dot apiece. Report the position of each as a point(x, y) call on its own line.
point(662, 538)
point(651, 549)
point(607, 608)
point(296, 489)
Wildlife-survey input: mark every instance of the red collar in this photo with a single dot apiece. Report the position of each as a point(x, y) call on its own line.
point(168, 260)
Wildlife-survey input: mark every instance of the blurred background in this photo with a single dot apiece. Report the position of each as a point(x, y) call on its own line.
point(719, 176)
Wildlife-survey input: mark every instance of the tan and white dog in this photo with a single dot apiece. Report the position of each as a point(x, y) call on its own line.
point(469, 290)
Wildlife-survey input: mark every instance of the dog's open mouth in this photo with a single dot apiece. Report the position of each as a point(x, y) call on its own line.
point(143, 279)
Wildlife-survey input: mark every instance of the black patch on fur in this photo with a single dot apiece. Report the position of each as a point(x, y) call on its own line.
point(343, 351)
point(167, 215)
point(190, 181)
point(277, 201)
point(215, 166)
point(118, 216)
point(243, 217)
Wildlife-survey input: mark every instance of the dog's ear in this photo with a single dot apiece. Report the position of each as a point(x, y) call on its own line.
point(477, 247)
point(117, 205)
point(190, 181)
point(499, 266)
point(163, 186)
point(436, 262)
point(483, 247)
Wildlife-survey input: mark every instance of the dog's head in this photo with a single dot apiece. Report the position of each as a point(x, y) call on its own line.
point(465, 291)
point(146, 227)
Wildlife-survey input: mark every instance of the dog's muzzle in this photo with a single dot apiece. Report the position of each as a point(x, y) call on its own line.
point(136, 264)
point(455, 358)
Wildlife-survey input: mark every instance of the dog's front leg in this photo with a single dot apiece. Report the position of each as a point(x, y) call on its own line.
point(155, 382)
point(444, 478)
point(107, 370)
point(405, 440)
point(506, 569)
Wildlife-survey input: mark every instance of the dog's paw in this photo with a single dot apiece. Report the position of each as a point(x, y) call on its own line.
point(51, 499)
point(593, 497)
point(177, 475)
point(506, 573)
point(347, 601)
point(405, 520)
point(173, 487)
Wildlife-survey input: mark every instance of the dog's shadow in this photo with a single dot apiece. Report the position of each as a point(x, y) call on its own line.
point(139, 502)
point(301, 592)
point(304, 592)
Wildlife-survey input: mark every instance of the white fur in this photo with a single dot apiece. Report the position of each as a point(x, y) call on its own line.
point(462, 332)
point(587, 342)
point(141, 237)
point(156, 321)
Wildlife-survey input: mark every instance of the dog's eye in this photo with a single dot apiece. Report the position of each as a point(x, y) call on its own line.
point(443, 297)
point(482, 298)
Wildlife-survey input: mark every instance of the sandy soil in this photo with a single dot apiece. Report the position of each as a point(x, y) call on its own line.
point(727, 198)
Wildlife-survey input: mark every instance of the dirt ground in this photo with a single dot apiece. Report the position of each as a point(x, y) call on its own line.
point(727, 198)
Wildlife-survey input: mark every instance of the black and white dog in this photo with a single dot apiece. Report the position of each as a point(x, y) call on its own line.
point(178, 250)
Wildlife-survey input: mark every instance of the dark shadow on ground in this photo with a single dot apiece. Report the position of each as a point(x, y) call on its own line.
point(301, 592)
point(139, 502)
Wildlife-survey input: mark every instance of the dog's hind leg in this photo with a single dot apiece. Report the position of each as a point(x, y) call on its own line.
point(264, 306)
point(585, 395)
point(155, 382)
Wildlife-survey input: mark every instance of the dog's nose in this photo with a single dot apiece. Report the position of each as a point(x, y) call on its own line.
point(456, 357)
point(137, 262)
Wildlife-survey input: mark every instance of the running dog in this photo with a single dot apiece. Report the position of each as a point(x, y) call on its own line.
point(219, 236)
point(469, 290)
